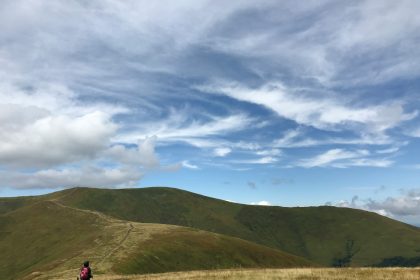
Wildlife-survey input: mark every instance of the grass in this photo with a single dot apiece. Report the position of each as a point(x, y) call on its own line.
point(280, 274)
point(319, 234)
point(8, 204)
point(45, 235)
point(52, 234)
point(47, 238)
point(184, 249)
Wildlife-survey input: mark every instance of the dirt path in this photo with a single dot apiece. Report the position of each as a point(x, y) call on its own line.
point(107, 255)
point(99, 214)
point(107, 218)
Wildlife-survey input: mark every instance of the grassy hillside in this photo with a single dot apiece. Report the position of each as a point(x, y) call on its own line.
point(44, 235)
point(321, 234)
point(46, 238)
point(182, 249)
point(8, 204)
point(280, 274)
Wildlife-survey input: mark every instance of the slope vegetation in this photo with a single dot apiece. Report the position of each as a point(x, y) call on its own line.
point(45, 239)
point(281, 274)
point(325, 235)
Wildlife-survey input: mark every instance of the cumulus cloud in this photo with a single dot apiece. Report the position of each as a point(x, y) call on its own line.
point(262, 203)
point(47, 125)
point(142, 155)
point(405, 206)
point(63, 141)
point(88, 176)
point(51, 140)
point(87, 82)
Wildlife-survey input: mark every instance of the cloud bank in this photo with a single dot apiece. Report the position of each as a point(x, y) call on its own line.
point(122, 88)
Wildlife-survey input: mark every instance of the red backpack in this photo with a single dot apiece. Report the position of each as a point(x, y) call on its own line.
point(84, 273)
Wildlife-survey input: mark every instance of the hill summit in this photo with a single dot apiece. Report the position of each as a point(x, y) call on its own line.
point(163, 229)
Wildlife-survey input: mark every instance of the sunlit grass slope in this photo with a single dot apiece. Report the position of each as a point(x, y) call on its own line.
point(46, 238)
point(183, 249)
point(320, 234)
point(283, 274)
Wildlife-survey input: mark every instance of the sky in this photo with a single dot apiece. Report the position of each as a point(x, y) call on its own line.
point(289, 103)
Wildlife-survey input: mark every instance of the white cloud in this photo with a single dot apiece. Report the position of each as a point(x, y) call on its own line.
point(407, 204)
point(143, 155)
point(339, 44)
point(178, 127)
point(262, 160)
point(297, 138)
point(381, 212)
point(89, 176)
point(50, 98)
point(262, 203)
point(49, 140)
point(375, 162)
point(46, 124)
point(270, 152)
point(146, 150)
point(390, 150)
point(222, 152)
point(64, 141)
point(413, 132)
point(322, 112)
point(57, 92)
point(342, 158)
point(405, 207)
point(328, 157)
point(189, 165)
point(217, 126)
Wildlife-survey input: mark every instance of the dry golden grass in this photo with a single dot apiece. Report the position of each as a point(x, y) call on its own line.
point(282, 274)
point(115, 239)
point(119, 237)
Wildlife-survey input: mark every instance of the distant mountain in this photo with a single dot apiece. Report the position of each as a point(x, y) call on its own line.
point(40, 238)
point(326, 235)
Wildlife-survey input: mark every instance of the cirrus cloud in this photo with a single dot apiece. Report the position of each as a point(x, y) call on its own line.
point(322, 112)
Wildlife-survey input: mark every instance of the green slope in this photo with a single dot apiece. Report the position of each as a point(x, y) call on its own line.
point(12, 203)
point(320, 234)
point(45, 239)
point(182, 249)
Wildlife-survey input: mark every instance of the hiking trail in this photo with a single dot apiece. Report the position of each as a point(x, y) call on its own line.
point(119, 245)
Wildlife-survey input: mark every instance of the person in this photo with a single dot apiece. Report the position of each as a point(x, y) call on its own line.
point(85, 271)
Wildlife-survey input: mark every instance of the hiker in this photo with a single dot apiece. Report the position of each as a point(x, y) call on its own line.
point(85, 271)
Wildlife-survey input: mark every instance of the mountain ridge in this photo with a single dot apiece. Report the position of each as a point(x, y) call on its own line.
point(45, 239)
point(320, 234)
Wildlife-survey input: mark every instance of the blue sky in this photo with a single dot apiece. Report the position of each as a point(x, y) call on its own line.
point(266, 102)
